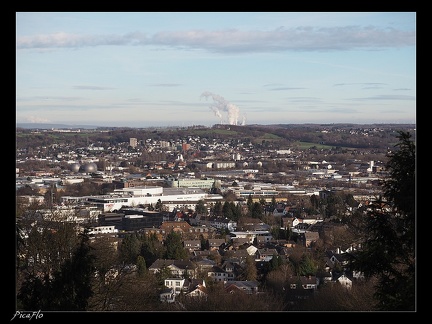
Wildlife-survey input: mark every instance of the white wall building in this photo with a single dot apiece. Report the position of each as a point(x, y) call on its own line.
point(141, 196)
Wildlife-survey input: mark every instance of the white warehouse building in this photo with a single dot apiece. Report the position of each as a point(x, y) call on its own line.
point(140, 196)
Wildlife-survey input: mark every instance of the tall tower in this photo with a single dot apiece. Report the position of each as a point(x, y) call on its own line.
point(133, 142)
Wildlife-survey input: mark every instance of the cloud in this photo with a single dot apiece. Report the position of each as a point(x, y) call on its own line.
point(286, 88)
point(234, 40)
point(35, 119)
point(165, 85)
point(363, 83)
point(92, 88)
point(386, 97)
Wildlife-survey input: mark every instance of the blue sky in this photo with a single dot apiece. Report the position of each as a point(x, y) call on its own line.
point(142, 69)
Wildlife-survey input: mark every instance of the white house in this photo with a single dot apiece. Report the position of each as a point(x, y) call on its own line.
point(345, 281)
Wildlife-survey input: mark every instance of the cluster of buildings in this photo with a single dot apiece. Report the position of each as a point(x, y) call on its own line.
point(154, 203)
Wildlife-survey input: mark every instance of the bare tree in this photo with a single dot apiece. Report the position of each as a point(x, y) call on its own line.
point(335, 297)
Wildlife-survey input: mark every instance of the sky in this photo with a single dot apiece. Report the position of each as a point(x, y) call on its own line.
point(145, 69)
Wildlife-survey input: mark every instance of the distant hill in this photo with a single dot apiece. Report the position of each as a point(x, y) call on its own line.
point(55, 126)
point(371, 137)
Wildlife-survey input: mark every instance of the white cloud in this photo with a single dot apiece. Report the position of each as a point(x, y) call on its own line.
point(234, 40)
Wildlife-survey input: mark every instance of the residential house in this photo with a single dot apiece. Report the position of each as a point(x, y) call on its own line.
point(301, 227)
point(196, 232)
point(284, 243)
point(203, 264)
point(205, 253)
point(256, 226)
point(159, 233)
point(263, 239)
point(192, 288)
point(324, 277)
point(289, 222)
point(228, 266)
point(238, 255)
point(167, 295)
point(248, 287)
point(280, 210)
point(335, 261)
point(265, 254)
point(312, 219)
point(303, 282)
point(215, 244)
point(252, 250)
point(221, 223)
point(219, 274)
point(176, 226)
point(239, 241)
point(178, 268)
point(253, 236)
point(175, 283)
point(196, 289)
point(192, 245)
point(308, 238)
point(344, 281)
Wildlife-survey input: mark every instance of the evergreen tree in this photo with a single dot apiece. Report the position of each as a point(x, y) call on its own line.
point(273, 203)
point(33, 293)
point(200, 208)
point(388, 250)
point(152, 249)
point(204, 243)
point(250, 271)
point(174, 247)
point(314, 199)
point(141, 266)
point(275, 262)
point(130, 248)
point(237, 212)
point(275, 232)
point(70, 287)
point(227, 210)
point(249, 203)
point(257, 210)
point(218, 209)
point(307, 266)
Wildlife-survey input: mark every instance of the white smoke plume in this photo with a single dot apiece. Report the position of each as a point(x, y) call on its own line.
point(220, 104)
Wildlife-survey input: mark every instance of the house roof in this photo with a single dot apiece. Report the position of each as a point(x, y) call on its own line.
point(216, 268)
point(192, 242)
point(181, 264)
point(303, 280)
point(311, 235)
point(205, 253)
point(243, 285)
